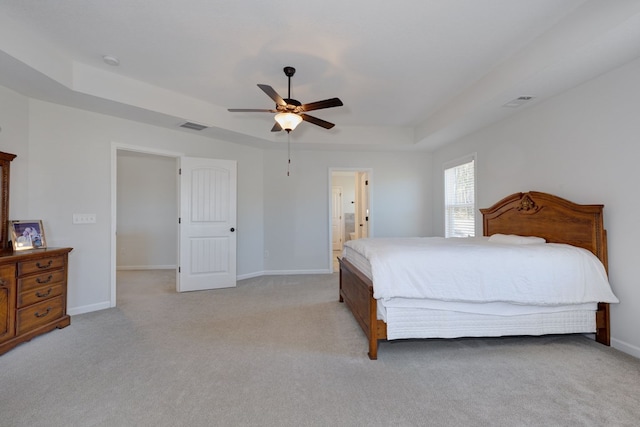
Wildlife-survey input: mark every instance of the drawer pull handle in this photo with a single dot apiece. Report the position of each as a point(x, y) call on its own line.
point(38, 314)
point(2, 282)
point(39, 295)
point(44, 266)
point(48, 279)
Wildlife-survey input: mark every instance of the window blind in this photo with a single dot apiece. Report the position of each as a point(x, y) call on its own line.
point(459, 203)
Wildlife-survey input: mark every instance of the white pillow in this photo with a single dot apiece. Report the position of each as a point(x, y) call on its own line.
point(514, 239)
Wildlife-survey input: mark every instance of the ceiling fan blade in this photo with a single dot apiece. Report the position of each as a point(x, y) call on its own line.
point(276, 127)
point(272, 94)
point(250, 110)
point(318, 105)
point(316, 121)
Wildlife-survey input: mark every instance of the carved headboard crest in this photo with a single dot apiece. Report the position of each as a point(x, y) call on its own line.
point(527, 205)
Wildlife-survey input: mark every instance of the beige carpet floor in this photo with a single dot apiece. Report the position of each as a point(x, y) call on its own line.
point(281, 351)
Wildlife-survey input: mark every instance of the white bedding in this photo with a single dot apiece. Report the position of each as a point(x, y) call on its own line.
point(424, 323)
point(458, 315)
point(474, 270)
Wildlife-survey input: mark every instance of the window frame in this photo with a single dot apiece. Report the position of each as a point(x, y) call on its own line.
point(453, 164)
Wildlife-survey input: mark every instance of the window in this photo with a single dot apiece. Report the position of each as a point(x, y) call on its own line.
point(459, 198)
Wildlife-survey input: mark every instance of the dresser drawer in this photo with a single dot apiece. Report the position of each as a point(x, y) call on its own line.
point(39, 294)
point(43, 264)
point(38, 280)
point(39, 314)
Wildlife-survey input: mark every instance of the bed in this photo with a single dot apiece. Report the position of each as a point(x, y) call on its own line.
point(545, 216)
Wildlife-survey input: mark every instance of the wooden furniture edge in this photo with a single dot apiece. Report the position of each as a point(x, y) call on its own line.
point(356, 291)
point(59, 323)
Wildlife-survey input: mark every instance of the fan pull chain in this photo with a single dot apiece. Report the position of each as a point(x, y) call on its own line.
point(288, 151)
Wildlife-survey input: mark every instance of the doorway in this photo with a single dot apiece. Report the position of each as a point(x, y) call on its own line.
point(349, 209)
point(145, 239)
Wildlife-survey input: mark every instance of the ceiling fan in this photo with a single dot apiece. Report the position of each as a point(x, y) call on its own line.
point(290, 111)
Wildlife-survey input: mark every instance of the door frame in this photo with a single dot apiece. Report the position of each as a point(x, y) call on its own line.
point(115, 147)
point(369, 171)
point(341, 226)
point(363, 208)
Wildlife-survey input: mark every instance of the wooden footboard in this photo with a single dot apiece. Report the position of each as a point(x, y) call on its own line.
point(356, 291)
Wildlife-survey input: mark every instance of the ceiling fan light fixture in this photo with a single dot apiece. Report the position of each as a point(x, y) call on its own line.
point(288, 121)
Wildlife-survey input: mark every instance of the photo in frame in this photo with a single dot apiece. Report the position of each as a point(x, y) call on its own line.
point(27, 235)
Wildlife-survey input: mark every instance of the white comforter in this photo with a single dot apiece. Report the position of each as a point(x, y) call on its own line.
point(476, 270)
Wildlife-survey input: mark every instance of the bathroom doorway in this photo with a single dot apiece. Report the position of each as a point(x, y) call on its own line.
point(349, 210)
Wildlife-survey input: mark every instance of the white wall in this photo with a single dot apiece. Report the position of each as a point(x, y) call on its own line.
point(147, 214)
point(64, 167)
point(69, 171)
point(296, 220)
point(14, 138)
point(583, 146)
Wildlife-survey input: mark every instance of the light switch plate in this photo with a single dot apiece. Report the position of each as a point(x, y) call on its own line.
point(79, 218)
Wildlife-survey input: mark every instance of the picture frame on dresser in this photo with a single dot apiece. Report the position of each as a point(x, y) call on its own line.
point(27, 234)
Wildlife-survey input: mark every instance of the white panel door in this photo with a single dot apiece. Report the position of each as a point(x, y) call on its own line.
point(207, 224)
point(336, 218)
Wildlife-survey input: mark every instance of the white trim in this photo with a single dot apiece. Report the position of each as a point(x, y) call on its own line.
point(625, 347)
point(146, 267)
point(115, 146)
point(89, 308)
point(250, 275)
point(341, 190)
point(282, 273)
point(294, 272)
point(460, 161)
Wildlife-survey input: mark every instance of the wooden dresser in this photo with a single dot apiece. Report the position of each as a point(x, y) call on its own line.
point(33, 294)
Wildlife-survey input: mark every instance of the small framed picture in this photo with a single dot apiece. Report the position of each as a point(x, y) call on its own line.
point(27, 235)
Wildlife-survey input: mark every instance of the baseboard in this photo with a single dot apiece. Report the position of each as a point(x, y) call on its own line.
point(250, 275)
point(293, 272)
point(146, 267)
point(88, 308)
point(625, 347)
point(240, 276)
point(280, 273)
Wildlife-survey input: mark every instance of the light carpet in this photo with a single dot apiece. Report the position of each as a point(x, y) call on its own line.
point(282, 351)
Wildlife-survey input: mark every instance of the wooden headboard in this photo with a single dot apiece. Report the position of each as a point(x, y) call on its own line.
point(551, 217)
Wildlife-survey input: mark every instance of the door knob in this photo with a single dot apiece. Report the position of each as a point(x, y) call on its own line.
point(233, 229)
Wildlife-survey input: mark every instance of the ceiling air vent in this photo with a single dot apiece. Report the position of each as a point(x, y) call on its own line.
point(518, 101)
point(194, 126)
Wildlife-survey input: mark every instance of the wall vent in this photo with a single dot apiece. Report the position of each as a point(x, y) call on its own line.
point(194, 126)
point(515, 103)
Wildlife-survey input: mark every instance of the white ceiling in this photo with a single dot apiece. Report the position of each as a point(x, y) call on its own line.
point(413, 74)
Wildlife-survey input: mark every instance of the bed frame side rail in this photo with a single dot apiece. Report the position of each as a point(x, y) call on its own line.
point(356, 291)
